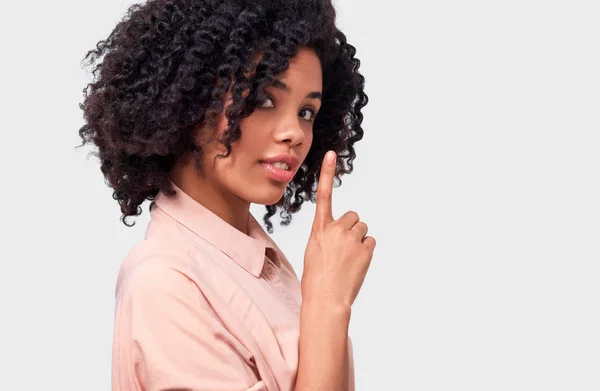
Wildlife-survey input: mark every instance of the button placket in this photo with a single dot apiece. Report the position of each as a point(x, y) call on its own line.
point(271, 274)
point(269, 271)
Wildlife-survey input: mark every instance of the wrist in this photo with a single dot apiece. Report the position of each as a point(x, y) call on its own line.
point(324, 308)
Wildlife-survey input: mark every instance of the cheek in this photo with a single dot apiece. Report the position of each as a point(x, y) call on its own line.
point(309, 138)
point(308, 142)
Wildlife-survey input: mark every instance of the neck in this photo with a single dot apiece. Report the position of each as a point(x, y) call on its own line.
point(229, 207)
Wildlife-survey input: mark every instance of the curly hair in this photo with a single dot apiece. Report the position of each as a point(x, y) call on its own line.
point(166, 67)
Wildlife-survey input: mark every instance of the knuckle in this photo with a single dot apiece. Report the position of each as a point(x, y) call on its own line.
point(352, 214)
point(324, 194)
point(340, 229)
point(336, 226)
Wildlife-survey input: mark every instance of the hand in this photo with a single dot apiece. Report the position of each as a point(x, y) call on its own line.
point(339, 253)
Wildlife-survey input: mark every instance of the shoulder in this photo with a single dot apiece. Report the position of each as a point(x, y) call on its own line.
point(152, 264)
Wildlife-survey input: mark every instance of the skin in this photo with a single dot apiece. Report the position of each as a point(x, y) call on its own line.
point(336, 261)
point(282, 125)
point(338, 254)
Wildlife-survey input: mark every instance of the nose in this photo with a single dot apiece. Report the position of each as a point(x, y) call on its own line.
point(290, 131)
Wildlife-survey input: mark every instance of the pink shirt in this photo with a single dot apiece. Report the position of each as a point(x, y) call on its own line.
point(202, 306)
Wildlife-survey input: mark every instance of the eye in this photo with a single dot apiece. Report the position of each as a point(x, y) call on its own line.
point(268, 102)
point(307, 114)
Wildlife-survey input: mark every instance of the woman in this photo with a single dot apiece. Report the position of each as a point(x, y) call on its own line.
point(204, 107)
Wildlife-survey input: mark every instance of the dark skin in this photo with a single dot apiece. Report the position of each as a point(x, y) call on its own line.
point(166, 69)
point(283, 125)
point(338, 252)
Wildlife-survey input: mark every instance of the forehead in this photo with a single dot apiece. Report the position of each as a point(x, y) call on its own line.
point(304, 72)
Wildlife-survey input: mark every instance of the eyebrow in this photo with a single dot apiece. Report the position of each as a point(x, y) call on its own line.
point(282, 86)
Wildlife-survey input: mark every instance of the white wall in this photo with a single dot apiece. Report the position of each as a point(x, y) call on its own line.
point(478, 176)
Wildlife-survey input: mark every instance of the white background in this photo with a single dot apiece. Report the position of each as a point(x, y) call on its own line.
point(478, 176)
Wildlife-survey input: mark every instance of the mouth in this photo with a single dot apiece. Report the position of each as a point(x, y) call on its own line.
point(282, 167)
point(287, 161)
point(279, 165)
point(278, 171)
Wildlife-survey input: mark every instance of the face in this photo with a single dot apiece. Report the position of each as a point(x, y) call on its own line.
point(279, 129)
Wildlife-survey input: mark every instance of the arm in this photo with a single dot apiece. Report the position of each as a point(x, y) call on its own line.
point(323, 362)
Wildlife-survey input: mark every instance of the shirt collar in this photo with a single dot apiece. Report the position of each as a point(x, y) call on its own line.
point(248, 251)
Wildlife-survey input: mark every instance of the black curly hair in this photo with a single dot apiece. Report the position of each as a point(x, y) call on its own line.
point(167, 66)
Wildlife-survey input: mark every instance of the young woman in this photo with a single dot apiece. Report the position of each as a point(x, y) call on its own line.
point(204, 107)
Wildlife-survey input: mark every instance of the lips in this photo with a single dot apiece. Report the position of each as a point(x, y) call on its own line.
point(292, 161)
point(280, 174)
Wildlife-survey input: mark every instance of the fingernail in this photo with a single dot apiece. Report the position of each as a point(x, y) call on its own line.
point(329, 157)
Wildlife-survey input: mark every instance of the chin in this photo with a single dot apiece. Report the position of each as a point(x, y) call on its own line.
point(266, 196)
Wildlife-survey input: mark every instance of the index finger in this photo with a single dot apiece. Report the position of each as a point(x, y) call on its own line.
point(323, 212)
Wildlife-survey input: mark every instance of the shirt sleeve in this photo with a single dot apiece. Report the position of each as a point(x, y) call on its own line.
point(168, 337)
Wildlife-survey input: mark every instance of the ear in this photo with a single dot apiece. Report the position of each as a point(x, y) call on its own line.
point(203, 133)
